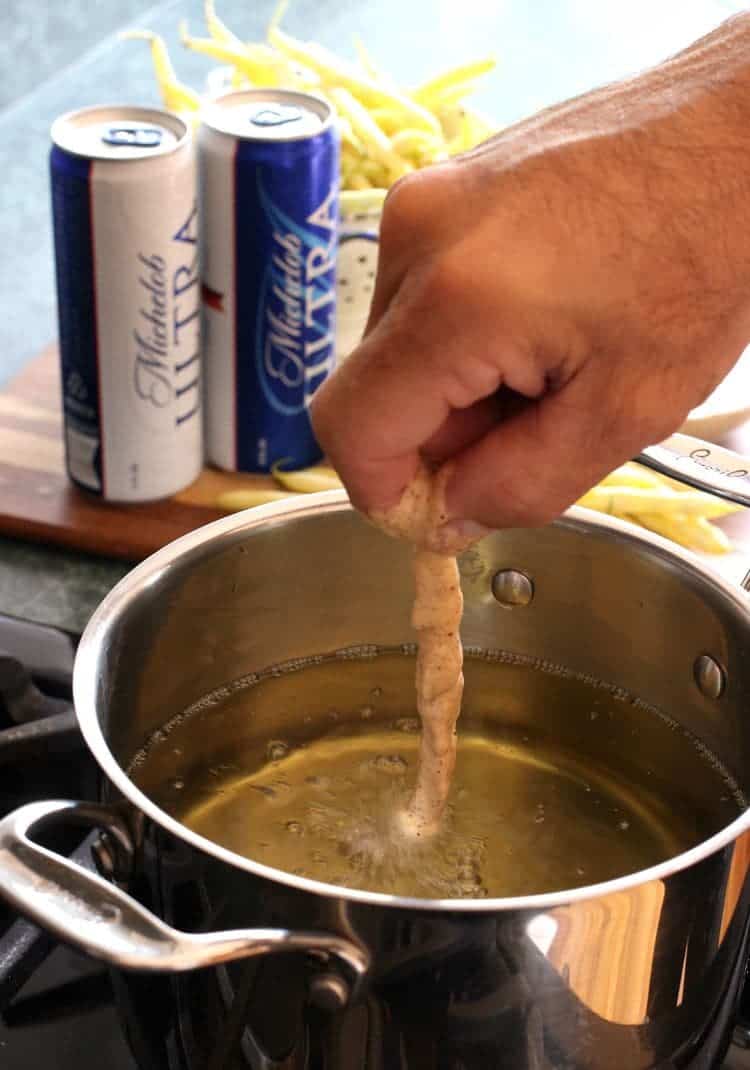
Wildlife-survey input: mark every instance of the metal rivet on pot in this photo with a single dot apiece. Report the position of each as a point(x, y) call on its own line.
point(329, 992)
point(512, 588)
point(709, 675)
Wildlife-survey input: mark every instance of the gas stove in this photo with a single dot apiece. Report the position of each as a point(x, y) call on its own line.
point(59, 1009)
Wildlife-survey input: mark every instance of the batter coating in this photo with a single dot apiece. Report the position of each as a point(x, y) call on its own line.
point(436, 617)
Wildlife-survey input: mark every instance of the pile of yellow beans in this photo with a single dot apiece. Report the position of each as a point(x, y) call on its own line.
point(386, 130)
point(631, 492)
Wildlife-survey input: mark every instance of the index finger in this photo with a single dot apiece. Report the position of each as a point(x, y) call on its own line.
point(393, 399)
point(373, 415)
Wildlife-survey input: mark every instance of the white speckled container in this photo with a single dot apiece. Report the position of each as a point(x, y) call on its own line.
point(355, 276)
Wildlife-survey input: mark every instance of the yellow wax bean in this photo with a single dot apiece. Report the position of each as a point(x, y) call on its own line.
point(278, 14)
point(337, 72)
point(362, 202)
point(707, 537)
point(369, 66)
point(350, 157)
point(386, 177)
point(348, 137)
point(389, 121)
point(454, 94)
point(257, 73)
point(475, 128)
point(234, 501)
point(632, 475)
point(357, 183)
point(240, 80)
point(637, 475)
point(218, 30)
point(696, 533)
point(362, 122)
point(176, 96)
point(452, 122)
point(377, 174)
point(472, 130)
point(306, 480)
point(291, 74)
point(458, 144)
point(483, 125)
point(637, 500)
point(467, 72)
point(376, 143)
point(417, 142)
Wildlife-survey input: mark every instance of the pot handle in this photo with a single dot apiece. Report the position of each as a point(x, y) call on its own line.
point(83, 909)
point(701, 465)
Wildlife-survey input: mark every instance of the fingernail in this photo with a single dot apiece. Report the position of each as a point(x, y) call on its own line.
point(457, 535)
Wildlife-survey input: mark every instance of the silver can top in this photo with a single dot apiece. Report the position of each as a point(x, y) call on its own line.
point(119, 133)
point(268, 115)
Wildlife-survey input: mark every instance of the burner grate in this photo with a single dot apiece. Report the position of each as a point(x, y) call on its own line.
point(56, 1006)
point(38, 728)
point(42, 725)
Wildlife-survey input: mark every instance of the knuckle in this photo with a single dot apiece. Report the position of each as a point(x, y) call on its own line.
point(403, 209)
point(446, 281)
point(650, 408)
point(656, 430)
point(644, 426)
point(667, 419)
point(415, 205)
point(411, 193)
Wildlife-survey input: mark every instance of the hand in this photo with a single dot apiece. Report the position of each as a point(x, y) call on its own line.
point(558, 298)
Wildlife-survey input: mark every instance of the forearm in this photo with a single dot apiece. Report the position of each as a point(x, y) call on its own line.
point(716, 66)
point(700, 131)
point(688, 119)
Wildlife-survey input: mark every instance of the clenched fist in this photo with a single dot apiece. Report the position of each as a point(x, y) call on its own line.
point(556, 299)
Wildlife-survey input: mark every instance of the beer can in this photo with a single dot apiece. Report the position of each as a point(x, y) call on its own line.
point(268, 167)
point(128, 291)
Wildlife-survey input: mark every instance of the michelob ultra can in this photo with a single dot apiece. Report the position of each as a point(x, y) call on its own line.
point(128, 292)
point(268, 167)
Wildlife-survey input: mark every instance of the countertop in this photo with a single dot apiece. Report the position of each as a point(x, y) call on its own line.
point(548, 50)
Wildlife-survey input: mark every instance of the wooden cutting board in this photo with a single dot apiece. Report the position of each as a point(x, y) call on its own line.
point(38, 502)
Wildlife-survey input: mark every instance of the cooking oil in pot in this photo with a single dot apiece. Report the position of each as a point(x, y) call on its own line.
point(561, 781)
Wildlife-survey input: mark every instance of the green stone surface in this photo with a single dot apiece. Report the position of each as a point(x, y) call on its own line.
point(54, 586)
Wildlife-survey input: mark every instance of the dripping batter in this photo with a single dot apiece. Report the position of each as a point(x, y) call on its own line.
point(436, 617)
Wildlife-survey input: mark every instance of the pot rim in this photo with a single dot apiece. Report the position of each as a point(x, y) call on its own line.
point(228, 530)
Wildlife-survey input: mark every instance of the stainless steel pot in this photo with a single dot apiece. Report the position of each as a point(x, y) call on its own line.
point(634, 974)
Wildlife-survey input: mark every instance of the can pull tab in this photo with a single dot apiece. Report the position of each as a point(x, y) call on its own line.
point(130, 135)
point(275, 115)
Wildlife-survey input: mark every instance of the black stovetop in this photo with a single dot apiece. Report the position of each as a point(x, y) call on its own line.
point(57, 1007)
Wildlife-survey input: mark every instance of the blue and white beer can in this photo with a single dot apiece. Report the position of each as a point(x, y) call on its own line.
point(269, 167)
point(124, 205)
